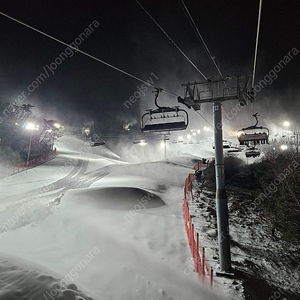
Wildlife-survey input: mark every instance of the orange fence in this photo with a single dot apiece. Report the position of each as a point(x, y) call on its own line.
point(32, 163)
point(198, 252)
point(201, 164)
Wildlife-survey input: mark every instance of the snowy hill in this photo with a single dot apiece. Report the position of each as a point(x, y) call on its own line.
point(87, 226)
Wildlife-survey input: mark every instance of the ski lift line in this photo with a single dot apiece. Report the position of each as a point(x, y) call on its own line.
point(224, 111)
point(237, 122)
point(256, 43)
point(205, 119)
point(87, 54)
point(255, 52)
point(171, 39)
point(188, 15)
point(194, 26)
point(208, 122)
point(252, 109)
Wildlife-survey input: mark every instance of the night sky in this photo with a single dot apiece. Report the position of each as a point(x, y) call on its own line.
point(82, 89)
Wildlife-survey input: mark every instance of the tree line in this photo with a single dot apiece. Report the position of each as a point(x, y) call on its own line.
point(23, 134)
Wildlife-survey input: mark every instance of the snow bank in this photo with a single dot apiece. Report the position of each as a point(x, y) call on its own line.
point(24, 280)
point(129, 217)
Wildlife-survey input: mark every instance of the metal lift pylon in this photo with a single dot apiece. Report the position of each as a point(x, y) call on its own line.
point(196, 94)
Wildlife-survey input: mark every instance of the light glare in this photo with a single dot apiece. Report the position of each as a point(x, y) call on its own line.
point(32, 126)
point(283, 147)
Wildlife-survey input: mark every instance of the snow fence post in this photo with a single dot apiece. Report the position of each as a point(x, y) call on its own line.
point(203, 262)
point(190, 231)
point(197, 253)
point(193, 241)
point(185, 215)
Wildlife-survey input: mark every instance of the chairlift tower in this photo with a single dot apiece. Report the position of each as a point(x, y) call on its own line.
point(195, 94)
point(164, 136)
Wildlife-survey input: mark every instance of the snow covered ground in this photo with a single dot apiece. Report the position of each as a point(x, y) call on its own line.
point(88, 226)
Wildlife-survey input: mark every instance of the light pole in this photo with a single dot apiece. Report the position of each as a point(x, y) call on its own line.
point(165, 138)
point(31, 127)
point(29, 148)
point(287, 124)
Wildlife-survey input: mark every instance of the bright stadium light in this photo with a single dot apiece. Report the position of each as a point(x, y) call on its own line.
point(283, 147)
point(31, 126)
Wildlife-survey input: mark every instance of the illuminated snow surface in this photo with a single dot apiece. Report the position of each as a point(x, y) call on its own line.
point(88, 226)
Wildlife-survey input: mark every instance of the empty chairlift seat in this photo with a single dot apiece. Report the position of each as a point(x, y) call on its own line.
point(164, 119)
point(252, 152)
point(260, 137)
point(253, 134)
point(140, 140)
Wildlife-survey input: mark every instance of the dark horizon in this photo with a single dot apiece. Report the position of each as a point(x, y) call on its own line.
point(121, 34)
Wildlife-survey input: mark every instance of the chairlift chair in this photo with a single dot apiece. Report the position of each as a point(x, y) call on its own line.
point(233, 150)
point(226, 144)
point(100, 142)
point(139, 140)
point(246, 135)
point(164, 118)
point(252, 152)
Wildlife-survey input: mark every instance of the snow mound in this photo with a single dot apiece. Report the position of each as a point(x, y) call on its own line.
point(20, 280)
point(116, 198)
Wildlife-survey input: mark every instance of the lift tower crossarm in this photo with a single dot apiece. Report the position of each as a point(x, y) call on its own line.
point(211, 100)
point(193, 97)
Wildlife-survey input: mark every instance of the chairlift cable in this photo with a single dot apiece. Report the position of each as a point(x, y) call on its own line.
point(198, 34)
point(170, 39)
point(256, 50)
point(88, 55)
point(194, 26)
point(252, 108)
point(225, 133)
point(256, 43)
point(205, 119)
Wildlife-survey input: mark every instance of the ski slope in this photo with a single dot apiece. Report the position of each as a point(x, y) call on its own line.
point(88, 226)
